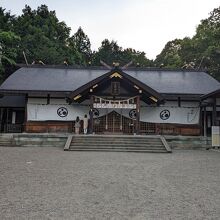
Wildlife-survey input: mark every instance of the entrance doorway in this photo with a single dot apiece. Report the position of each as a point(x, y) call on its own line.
point(113, 120)
point(114, 123)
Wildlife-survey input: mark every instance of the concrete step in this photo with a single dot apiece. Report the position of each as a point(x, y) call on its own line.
point(117, 144)
point(121, 150)
point(116, 148)
point(5, 144)
point(113, 138)
point(116, 141)
point(38, 145)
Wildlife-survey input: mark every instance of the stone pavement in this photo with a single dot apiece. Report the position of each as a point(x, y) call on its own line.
point(48, 183)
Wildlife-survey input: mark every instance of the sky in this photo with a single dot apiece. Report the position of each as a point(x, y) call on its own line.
point(144, 25)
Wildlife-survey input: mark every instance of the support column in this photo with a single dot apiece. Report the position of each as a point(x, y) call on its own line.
point(204, 123)
point(91, 114)
point(7, 119)
point(214, 113)
point(25, 124)
point(137, 115)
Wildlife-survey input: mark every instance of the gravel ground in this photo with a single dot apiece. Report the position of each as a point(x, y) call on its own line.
point(48, 183)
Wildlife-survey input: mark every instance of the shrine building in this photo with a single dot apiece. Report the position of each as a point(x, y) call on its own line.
point(117, 101)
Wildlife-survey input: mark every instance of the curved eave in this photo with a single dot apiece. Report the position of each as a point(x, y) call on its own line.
point(155, 96)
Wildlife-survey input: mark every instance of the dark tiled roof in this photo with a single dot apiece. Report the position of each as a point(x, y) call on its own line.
point(177, 82)
point(69, 79)
point(49, 79)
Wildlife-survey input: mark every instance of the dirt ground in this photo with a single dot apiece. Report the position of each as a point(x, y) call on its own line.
point(48, 183)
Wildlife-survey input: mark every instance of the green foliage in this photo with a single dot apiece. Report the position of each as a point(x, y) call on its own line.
point(110, 52)
point(41, 35)
point(82, 46)
point(6, 20)
point(202, 51)
point(169, 57)
point(8, 45)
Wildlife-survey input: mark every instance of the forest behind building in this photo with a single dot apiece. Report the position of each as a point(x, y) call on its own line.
point(43, 39)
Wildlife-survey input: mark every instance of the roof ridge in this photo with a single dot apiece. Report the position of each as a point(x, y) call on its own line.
point(104, 68)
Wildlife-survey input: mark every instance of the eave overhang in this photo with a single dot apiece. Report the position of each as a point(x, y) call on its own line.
point(211, 94)
point(142, 88)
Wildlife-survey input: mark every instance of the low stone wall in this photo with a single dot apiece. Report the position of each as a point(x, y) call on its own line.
point(59, 140)
point(188, 142)
point(40, 140)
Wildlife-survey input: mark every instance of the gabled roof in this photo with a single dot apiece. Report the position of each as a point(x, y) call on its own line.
point(68, 79)
point(146, 91)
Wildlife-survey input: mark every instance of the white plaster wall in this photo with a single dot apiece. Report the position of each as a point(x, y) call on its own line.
point(57, 101)
point(37, 100)
point(180, 115)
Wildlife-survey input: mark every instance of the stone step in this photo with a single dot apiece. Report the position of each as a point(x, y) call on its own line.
point(116, 144)
point(115, 141)
point(121, 150)
point(38, 145)
point(7, 144)
point(116, 147)
point(113, 138)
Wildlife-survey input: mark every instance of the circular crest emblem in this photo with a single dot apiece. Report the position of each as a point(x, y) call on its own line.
point(165, 114)
point(95, 112)
point(133, 114)
point(62, 112)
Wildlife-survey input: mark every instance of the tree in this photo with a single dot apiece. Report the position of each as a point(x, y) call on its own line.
point(80, 43)
point(43, 36)
point(169, 57)
point(111, 52)
point(207, 43)
point(6, 20)
point(8, 50)
point(8, 43)
point(202, 51)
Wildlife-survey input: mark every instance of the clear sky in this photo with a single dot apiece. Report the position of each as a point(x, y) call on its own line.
point(144, 25)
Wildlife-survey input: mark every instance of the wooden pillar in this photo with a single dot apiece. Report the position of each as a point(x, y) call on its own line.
point(91, 114)
point(7, 119)
point(204, 123)
point(25, 124)
point(214, 113)
point(137, 129)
